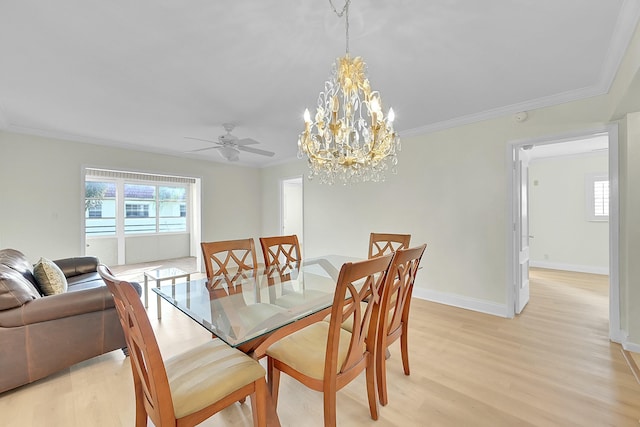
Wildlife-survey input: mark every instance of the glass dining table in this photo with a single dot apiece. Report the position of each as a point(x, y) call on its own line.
point(251, 308)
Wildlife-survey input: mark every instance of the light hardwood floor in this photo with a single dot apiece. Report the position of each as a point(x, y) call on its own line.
point(551, 366)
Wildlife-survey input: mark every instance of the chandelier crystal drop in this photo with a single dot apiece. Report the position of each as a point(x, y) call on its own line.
point(349, 139)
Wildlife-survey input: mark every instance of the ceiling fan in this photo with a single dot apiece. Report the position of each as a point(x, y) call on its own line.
point(229, 146)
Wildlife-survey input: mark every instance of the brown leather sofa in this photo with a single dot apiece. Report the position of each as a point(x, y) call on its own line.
point(40, 335)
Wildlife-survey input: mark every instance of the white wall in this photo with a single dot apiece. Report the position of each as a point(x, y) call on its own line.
point(563, 238)
point(155, 247)
point(41, 192)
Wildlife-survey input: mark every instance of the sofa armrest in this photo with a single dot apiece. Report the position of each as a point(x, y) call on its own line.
point(58, 306)
point(77, 265)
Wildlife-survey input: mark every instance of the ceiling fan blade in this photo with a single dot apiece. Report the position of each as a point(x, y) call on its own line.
point(246, 141)
point(201, 149)
point(200, 139)
point(255, 151)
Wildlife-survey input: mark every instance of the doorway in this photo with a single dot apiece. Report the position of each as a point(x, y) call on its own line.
point(291, 211)
point(518, 232)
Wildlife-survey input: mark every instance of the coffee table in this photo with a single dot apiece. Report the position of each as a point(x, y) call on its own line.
point(158, 275)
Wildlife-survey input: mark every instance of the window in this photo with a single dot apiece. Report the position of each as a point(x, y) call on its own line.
point(172, 209)
point(95, 212)
point(140, 208)
point(148, 207)
point(100, 208)
point(597, 197)
point(137, 211)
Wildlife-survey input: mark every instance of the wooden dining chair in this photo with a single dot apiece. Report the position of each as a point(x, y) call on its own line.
point(282, 259)
point(228, 260)
point(281, 253)
point(394, 312)
point(231, 265)
point(326, 357)
point(386, 243)
point(186, 389)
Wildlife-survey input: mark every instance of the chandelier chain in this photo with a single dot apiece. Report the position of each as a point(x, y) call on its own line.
point(344, 12)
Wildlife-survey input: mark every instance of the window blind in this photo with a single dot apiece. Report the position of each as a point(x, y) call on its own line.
point(137, 176)
point(601, 198)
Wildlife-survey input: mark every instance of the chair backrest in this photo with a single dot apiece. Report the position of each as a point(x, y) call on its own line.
point(227, 260)
point(280, 250)
point(357, 282)
point(396, 297)
point(149, 372)
point(281, 254)
point(387, 243)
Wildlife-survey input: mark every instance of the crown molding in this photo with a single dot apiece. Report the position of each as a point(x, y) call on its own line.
point(547, 101)
point(628, 19)
point(111, 143)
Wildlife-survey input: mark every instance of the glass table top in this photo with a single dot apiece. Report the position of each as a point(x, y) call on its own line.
point(165, 273)
point(247, 305)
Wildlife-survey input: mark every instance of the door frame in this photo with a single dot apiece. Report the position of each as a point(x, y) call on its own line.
point(521, 177)
point(615, 333)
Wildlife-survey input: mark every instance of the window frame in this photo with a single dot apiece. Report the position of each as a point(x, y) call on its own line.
point(590, 197)
point(121, 202)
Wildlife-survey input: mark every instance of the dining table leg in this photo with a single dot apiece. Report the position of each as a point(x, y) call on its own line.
point(272, 415)
point(249, 348)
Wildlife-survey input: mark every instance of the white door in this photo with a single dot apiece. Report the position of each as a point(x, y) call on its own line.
point(522, 229)
point(291, 211)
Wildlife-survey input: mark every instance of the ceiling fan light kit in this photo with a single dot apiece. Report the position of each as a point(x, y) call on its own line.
point(229, 153)
point(349, 138)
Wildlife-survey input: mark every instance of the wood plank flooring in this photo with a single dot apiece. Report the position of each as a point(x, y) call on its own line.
point(551, 366)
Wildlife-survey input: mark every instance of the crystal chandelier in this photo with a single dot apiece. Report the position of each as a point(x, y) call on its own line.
point(349, 138)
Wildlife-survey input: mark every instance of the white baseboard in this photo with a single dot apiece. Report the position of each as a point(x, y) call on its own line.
point(468, 303)
point(631, 346)
point(570, 267)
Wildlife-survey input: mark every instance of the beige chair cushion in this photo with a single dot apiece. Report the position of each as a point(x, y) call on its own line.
point(296, 299)
point(254, 316)
point(305, 350)
point(208, 373)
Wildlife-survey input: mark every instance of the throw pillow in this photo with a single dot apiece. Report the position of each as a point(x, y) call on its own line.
point(50, 278)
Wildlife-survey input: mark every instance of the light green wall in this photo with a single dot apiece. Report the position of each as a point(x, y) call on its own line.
point(451, 192)
point(563, 238)
point(41, 192)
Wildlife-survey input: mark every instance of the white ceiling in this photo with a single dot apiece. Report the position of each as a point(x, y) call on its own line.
point(144, 74)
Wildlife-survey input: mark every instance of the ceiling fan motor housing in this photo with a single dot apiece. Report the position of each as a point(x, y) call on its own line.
point(227, 139)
